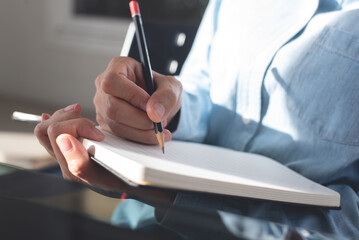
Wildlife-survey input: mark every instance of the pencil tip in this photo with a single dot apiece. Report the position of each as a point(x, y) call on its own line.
point(161, 140)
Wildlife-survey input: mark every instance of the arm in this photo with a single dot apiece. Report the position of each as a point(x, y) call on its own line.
point(119, 89)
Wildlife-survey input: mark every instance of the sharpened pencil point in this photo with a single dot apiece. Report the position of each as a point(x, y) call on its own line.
point(161, 140)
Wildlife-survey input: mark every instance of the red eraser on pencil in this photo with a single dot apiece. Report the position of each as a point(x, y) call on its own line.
point(134, 8)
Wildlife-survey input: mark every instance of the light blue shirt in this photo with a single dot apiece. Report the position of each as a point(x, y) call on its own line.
point(278, 78)
point(268, 77)
point(281, 78)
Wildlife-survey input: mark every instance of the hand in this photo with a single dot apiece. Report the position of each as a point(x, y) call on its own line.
point(124, 108)
point(59, 134)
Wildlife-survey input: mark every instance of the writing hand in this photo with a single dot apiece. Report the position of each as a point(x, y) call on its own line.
point(124, 108)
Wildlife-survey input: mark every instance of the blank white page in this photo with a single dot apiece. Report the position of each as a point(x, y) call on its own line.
point(205, 162)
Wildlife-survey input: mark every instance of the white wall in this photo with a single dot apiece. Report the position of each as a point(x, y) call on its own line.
point(47, 55)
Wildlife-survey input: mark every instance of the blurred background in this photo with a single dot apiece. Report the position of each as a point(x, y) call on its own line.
point(51, 51)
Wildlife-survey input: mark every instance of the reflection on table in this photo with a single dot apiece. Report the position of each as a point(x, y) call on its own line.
point(42, 204)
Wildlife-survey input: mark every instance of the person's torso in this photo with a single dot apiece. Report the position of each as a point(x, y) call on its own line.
point(286, 84)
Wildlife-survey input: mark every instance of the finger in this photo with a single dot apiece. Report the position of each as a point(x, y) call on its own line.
point(79, 127)
point(118, 85)
point(166, 100)
point(82, 168)
point(126, 114)
point(103, 124)
point(116, 128)
point(45, 116)
point(43, 140)
point(129, 67)
point(124, 78)
point(69, 112)
point(75, 156)
point(137, 135)
point(168, 135)
point(75, 108)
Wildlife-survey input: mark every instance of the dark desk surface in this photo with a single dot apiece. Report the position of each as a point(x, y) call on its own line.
point(32, 207)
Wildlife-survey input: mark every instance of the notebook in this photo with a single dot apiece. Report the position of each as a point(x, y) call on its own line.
point(206, 168)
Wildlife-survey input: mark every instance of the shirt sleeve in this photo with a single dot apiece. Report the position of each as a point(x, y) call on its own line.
point(235, 213)
point(339, 223)
point(196, 102)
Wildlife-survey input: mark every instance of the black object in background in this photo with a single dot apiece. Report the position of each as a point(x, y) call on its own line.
point(170, 27)
point(180, 11)
point(167, 55)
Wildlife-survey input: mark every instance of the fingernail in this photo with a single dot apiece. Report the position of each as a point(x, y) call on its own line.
point(45, 116)
point(70, 108)
point(159, 110)
point(64, 144)
point(98, 133)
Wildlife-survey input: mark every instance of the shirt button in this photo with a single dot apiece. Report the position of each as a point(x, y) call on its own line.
point(246, 119)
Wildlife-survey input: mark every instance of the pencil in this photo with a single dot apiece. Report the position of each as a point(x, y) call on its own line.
point(25, 117)
point(146, 65)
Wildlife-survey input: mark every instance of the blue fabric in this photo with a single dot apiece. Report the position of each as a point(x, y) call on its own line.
point(279, 78)
point(133, 214)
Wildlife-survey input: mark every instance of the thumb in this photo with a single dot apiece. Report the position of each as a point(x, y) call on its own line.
point(166, 100)
point(81, 168)
point(77, 159)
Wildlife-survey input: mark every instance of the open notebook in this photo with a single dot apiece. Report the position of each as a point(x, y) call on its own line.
point(205, 168)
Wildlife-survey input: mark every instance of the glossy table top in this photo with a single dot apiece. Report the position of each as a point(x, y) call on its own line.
point(42, 204)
